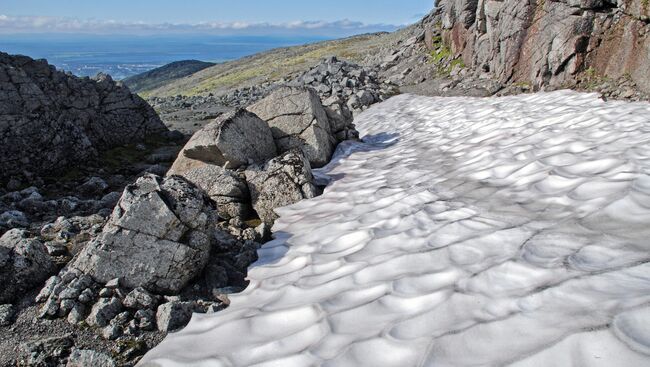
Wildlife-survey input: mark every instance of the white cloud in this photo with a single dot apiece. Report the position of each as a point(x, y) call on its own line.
point(39, 24)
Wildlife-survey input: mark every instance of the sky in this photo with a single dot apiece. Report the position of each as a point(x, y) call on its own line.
point(208, 16)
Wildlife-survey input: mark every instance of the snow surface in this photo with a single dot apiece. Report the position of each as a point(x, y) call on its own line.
point(462, 232)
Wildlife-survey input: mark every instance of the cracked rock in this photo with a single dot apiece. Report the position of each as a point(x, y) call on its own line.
point(234, 139)
point(280, 182)
point(298, 120)
point(158, 237)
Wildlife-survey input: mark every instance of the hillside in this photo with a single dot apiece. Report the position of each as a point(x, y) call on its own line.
point(271, 65)
point(166, 74)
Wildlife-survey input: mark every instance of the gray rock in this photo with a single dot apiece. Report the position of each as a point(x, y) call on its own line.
point(140, 298)
point(77, 314)
point(280, 182)
point(92, 187)
point(113, 283)
point(50, 120)
point(88, 358)
point(47, 352)
point(225, 187)
point(298, 120)
point(158, 237)
point(232, 140)
point(45, 292)
point(7, 314)
point(24, 264)
point(146, 319)
point(104, 311)
point(13, 219)
point(172, 316)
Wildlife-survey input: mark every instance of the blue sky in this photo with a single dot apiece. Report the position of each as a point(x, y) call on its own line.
point(208, 16)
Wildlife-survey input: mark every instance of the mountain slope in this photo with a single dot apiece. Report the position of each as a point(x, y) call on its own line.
point(272, 65)
point(165, 74)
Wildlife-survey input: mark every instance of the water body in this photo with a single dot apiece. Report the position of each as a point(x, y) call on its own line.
point(124, 56)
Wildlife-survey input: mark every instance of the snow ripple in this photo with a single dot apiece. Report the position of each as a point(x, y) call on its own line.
point(462, 232)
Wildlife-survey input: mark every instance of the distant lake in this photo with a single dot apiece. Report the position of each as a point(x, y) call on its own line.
point(124, 56)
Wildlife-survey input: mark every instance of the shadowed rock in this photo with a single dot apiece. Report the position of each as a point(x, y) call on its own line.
point(51, 120)
point(280, 182)
point(232, 140)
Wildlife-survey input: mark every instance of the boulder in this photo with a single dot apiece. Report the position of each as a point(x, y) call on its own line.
point(174, 315)
point(298, 120)
point(232, 140)
point(104, 311)
point(282, 181)
point(225, 187)
point(24, 264)
point(158, 237)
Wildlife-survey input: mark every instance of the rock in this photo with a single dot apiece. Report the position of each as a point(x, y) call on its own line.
point(24, 264)
point(112, 331)
point(298, 120)
point(7, 314)
point(47, 352)
point(88, 358)
point(104, 311)
point(13, 219)
point(225, 187)
point(548, 44)
point(113, 283)
point(232, 140)
point(92, 187)
point(77, 314)
point(146, 319)
point(158, 237)
point(45, 292)
point(140, 298)
point(280, 182)
point(172, 316)
point(51, 120)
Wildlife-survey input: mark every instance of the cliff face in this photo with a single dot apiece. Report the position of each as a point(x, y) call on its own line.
point(549, 42)
point(51, 120)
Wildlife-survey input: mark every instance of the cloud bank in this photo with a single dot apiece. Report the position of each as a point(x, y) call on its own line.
point(44, 24)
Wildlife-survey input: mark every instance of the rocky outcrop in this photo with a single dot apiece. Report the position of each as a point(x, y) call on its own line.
point(298, 120)
point(548, 43)
point(24, 264)
point(232, 140)
point(51, 120)
point(158, 237)
point(282, 181)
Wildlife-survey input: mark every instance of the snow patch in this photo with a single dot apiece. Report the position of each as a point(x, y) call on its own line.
point(461, 232)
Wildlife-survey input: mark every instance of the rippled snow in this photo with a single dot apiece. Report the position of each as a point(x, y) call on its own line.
point(462, 232)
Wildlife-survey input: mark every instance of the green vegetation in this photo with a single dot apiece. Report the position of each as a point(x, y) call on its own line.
point(443, 57)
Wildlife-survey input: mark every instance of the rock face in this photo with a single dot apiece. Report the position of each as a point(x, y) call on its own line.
point(51, 120)
point(225, 187)
point(232, 140)
point(158, 237)
point(24, 264)
point(280, 182)
point(298, 120)
point(549, 42)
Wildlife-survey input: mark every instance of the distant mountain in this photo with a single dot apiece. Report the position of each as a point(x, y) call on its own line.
point(158, 77)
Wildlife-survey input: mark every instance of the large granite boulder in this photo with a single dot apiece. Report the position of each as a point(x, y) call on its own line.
point(298, 120)
point(51, 120)
point(158, 237)
point(234, 139)
point(24, 264)
point(282, 181)
point(227, 188)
